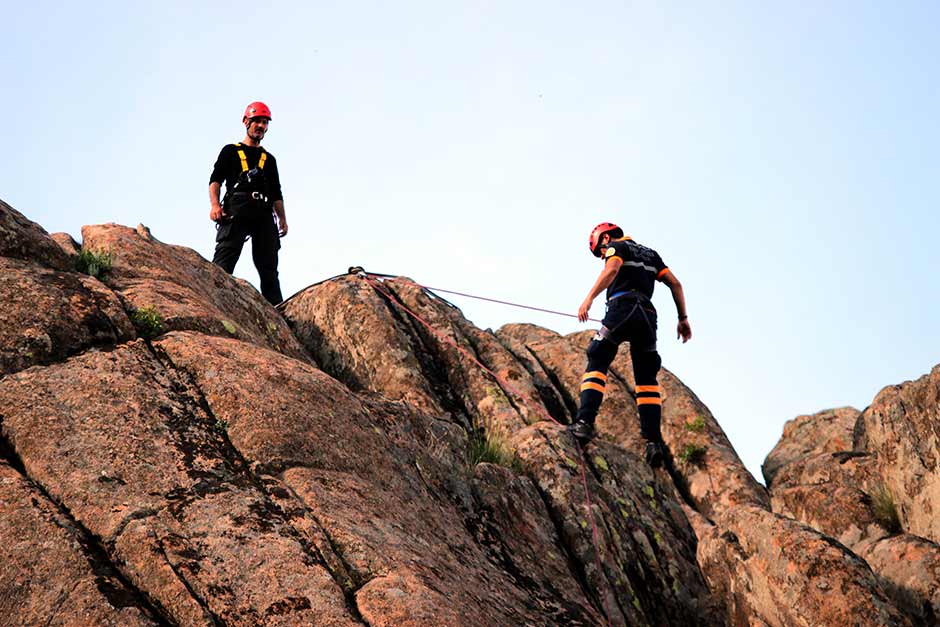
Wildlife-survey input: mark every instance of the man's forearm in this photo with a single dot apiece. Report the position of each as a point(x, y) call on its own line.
point(215, 191)
point(679, 297)
point(279, 210)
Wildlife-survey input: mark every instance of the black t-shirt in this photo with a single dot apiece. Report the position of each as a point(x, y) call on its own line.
point(641, 267)
point(229, 166)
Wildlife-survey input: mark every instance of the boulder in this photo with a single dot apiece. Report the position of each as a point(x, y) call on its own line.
point(822, 432)
point(900, 426)
point(49, 314)
point(68, 244)
point(425, 352)
point(357, 338)
point(909, 569)
point(773, 570)
point(833, 493)
point(847, 495)
point(21, 238)
point(185, 290)
point(211, 474)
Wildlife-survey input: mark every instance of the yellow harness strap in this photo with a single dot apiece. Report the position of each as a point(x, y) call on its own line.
point(244, 159)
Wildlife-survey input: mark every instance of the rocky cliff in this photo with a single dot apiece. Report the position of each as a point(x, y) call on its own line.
point(174, 451)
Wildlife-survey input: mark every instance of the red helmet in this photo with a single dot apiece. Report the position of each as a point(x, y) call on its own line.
point(257, 109)
point(594, 240)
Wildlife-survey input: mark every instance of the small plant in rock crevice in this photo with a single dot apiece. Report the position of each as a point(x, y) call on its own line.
point(885, 510)
point(696, 425)
point(490, 448)
point(147, 321)
point(94, 262)
point(693, 454)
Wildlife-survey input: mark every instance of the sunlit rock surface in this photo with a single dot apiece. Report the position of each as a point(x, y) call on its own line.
point(366, 456)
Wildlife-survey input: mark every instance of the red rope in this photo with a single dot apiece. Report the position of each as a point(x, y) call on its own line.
point(507, 385)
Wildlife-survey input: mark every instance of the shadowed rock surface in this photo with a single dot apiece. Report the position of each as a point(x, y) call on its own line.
point(48, 315)
point(716, 480)
point(829, 471)
point(647, 573)
point(21, 238)
point(902, 426)
point(357, 465)
point(783, 573)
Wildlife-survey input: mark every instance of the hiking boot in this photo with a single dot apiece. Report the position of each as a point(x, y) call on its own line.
point(655, 455)
point(582, 431)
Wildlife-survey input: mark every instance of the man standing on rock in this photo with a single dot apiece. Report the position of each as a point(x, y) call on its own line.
point(252, 201)
point(629, 275)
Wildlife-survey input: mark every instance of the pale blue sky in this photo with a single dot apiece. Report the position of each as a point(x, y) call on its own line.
point(782, 157)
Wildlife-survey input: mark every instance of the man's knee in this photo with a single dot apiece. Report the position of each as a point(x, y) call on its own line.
point(600, 354)
point(646, 365)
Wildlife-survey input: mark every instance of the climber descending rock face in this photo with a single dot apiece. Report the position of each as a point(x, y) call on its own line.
point(629, 276)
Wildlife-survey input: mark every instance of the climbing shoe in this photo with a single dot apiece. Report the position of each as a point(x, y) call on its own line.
point(582, 431)
point(655, 455)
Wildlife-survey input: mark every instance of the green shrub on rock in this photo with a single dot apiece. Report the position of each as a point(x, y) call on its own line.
point(147, 321)
point(94, 262)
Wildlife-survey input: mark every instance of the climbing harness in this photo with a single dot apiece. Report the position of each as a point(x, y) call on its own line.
point(244, 159)
point(247, 198)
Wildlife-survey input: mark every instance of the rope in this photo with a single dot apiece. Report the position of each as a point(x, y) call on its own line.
point(505, 302)
point(371, 279)
point(357, 270)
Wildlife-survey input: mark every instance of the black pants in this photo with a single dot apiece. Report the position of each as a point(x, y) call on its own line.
point(630, 318)
point(265, 243)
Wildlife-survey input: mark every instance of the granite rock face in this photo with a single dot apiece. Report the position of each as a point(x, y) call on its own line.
point(49, 314)
point(615, 529)
point(21, 238)
point(185, 290)
point(369, 457)
point(825, 432)
point(51, 578)
point(709, 470)
point(122, 444)
point(902, 426)
point(868, 479)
